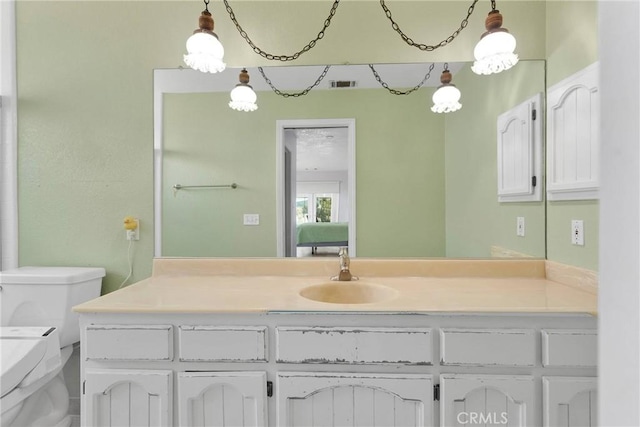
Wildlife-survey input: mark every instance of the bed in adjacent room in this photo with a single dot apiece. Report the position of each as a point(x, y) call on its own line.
point(315, 234)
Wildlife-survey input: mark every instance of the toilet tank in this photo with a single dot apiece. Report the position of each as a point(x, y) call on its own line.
point(44, 296)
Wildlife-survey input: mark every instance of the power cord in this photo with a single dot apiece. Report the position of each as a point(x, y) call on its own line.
point(130, 262)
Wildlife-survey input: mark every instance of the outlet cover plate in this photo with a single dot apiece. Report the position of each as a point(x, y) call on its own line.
point(577, 232)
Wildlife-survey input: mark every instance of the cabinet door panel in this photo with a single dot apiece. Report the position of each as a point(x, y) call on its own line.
point(346, 399)
point(570, 401)
point(222, 399)
point(486, 400)
point(121, 398)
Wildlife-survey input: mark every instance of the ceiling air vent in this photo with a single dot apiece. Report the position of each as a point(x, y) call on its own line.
point(341, 83)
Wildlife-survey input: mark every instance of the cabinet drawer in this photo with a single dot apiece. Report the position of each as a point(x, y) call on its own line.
point(570, 347)
point(500, 347)
point(410, 346)
point(223, 344)
point(129, 342)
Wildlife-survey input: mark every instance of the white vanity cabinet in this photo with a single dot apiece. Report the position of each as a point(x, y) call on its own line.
point(354, 399)
point(222, 399)
point(487, 400)
point(570, 401)
point(128, 397)
point(296, 369)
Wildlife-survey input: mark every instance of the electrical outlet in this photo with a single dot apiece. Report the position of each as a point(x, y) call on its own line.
point(520, 226)
point(251, 219)
point(577, 232)
point(132, 228)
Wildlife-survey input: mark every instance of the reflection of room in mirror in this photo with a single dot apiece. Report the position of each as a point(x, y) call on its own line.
point(426, 182)
point(321, 187)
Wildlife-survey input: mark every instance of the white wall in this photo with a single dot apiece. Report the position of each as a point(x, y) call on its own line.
point(619, 291)
point(8, 138)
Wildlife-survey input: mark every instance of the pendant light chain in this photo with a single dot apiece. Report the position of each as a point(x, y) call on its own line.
point(283, 58)
point(426, 47)
point(399, 92)
point(296, 94)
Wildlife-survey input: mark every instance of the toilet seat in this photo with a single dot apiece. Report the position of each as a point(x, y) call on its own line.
point(31, 357)
point(19, 357)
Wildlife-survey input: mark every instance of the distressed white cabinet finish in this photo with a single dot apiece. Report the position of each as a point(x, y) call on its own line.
point(488, 347)
point(222, 343)
point(128, 398)
point(487, 400)
point(129, 342)
point(409, 346)
point(222, 399)
point(333, 368)
point(570, 401)
point(569, 347)
point(350, 399)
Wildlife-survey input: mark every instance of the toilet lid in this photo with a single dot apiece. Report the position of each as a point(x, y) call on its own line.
point(19, 357)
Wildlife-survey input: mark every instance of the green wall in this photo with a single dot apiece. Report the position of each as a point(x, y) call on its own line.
point(84, 75)
point(570, 48)
point(399, 171)
point(475, 219)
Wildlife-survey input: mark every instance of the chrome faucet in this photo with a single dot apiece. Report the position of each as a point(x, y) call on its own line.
point(344, 275)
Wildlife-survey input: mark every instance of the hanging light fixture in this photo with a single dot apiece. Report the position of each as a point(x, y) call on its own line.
point(205, 52)
point(243, 98)
point(446, 99)
point(494, 51)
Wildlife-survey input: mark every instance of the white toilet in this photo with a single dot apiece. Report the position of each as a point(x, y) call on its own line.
point(36, 340)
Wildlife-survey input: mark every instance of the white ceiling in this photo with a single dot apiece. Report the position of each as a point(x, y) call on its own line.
point(320, 149)
point(296, 78)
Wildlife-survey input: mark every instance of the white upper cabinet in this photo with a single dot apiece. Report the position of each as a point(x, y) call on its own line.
point(573, 136)
point(520, 152)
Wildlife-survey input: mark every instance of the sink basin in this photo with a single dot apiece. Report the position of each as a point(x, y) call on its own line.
point(348, 292)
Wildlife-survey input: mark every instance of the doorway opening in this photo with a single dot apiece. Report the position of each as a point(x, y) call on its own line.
point(316, 183)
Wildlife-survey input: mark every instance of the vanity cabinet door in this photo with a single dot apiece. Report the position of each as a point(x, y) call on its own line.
point(468, 399)
point(127, 398)
point(350, 399)
point(570, 401)
point(229, 399)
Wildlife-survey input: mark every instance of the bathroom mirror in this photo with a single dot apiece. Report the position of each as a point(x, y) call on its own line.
point(424, 184)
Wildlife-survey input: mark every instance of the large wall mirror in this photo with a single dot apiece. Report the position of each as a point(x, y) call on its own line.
point(412, 183)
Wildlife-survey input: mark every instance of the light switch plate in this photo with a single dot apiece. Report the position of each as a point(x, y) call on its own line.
point(520, 226)
point(251, 219)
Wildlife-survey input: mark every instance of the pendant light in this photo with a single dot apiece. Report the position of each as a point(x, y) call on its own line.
point(243, 98)
point(446, 99)
point(205, 52)
point(494, 51)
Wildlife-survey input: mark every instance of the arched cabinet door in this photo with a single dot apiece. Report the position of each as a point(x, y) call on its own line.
point(468, 399)
point(222, 399)
point(350, 399)
point(128, 397)
point(570, 401)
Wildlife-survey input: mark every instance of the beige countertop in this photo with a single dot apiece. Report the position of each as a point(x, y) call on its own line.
point(264, 285)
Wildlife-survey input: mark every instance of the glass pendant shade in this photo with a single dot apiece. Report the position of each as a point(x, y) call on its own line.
point(447, 98)
point(204, 51)
point(243, 98)
point(494, 51)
